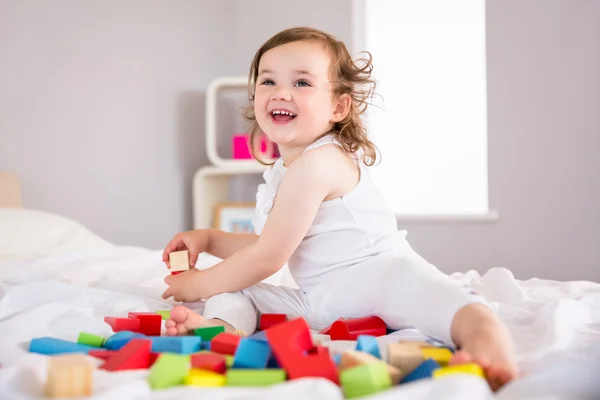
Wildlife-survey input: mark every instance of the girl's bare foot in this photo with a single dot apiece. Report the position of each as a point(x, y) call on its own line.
point(497, 374)
point(183, 320)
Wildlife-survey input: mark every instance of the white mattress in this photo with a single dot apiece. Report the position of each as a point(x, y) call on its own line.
point(58, 279)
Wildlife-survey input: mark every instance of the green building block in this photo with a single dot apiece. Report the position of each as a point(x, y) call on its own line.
point(365, 379)
point(169, 370)
point(254, 377)
point(208, 333)
point(165, 314)
point(90, 339)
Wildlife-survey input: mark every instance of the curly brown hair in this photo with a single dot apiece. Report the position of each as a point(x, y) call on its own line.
point(348, 76)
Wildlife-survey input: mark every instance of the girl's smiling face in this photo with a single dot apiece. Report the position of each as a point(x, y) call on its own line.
point(294, 103)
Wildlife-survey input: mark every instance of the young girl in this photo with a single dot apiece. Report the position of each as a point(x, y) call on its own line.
point(320, 212)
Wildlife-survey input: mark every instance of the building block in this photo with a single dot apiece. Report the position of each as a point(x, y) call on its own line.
point(175, 344)
point(351, 359)
point(424, 370)
point(209, 361)
point(260, 335)
point(254, 377)
point(165, 314)
point(179, 261)
point(120, 339)
point(150, 323)
point(225, 343)
point(48, 345)
point(368, 344)
point(209, 333)
point(252, 354)
point(123, 324)
point(89, 339)
point(289, 341)
point(405, 355)
point(365, 379)
point(337, 359)
point(351, 329)
point(168, 370)
point(201, 377)
point(470, 368)
point(319, 350)
point(69, 376)
point(441, 355)
point(317, 365)
point(134, 355)
point(270, 320)
point(102, 354)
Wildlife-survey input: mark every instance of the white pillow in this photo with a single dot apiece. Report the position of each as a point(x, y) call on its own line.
point(26, 233)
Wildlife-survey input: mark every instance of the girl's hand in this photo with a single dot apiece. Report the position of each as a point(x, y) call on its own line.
point(195, 241)
point(184, 287)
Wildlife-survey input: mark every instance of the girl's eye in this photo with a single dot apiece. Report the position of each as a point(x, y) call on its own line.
point(268, 82)
point(302, 83)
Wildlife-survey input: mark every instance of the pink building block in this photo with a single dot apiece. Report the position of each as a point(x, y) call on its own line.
point(241, 148)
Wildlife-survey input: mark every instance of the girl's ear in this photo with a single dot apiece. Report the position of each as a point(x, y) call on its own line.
point(341, 107)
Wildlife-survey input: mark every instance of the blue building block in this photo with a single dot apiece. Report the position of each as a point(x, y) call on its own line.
point(205, 345)
point(120, 339)
point(425, 370)
point(260, 335)
point(49, 345)
point(252, 354)
point(368, 344)
point(176, 344)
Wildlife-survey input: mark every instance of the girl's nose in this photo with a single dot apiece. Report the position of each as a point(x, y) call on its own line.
point(282, 94)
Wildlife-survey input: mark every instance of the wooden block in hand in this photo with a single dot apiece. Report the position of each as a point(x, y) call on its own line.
point(179, 261)
point(69, 376)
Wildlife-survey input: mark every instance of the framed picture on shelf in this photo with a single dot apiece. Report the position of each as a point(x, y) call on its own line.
point(234, 217)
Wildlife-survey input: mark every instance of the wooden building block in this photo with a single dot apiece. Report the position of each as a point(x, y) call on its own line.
point(49, 345)
point(441, 355)
point(270, 320)
point(89, 339)
point(365, 379)
point(150, 323)
point(209, 361)
point(352, 358)
point(254, 377)
point(470, 368)
point(123, 324)
point(209, 332)
point(225, 343)
point(201, 377)
point(405, 355)
point(179, 260)
point(134, 355)
point(368, 344)
point(252, 354)
point(69, 376)
point(168, 370)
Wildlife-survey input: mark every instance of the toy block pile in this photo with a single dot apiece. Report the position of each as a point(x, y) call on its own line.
point(210, 357)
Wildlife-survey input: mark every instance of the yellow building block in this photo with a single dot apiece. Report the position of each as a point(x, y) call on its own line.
point(440, 355)
point(470, 368)
point(201, 377)
point(69, 376)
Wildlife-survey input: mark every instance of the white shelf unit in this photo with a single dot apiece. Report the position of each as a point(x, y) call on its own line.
point(211, 184)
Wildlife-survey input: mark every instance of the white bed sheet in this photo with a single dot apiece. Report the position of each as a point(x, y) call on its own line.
point(556, 326)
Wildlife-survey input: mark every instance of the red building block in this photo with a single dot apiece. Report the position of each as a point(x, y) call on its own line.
point(290, 341)
point(351, 329)
point(270, 320)
point(318, 350)
point(316, 365)
point(102, 354)
point(134, 355)
point(150, 323)
point(153, 357)
point(225, 343)
point(209, 361)
point(123, 324)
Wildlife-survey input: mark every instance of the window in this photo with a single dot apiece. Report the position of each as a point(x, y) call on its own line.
point(431, 122)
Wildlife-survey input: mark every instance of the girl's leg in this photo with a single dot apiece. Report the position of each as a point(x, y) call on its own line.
point(241, 310)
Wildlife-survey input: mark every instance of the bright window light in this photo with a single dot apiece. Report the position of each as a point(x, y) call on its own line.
point(431, 123)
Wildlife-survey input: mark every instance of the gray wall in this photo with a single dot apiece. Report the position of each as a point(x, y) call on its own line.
point(102, 116)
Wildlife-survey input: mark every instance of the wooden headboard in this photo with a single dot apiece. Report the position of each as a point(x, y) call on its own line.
point(10, 191)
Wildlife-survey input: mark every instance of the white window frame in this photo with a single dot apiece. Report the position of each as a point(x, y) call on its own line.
point(358, 44)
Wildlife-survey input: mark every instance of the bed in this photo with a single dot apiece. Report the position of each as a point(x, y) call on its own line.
point(57, 278)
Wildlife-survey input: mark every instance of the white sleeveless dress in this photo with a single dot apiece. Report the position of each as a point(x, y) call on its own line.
point(353, 262)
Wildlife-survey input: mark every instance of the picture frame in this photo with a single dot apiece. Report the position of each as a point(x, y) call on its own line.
point(234, 217)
